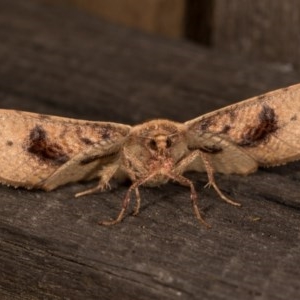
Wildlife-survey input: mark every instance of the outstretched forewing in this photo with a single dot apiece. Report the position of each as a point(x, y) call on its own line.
point(261, 131)
point(34, 147)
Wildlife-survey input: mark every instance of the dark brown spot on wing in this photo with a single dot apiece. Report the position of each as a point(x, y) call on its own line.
point(294, 118)
point(267, 124)
point(212, 149)
point(40, 146)
point(205, 124)
point(106, 132)
point(103, 132)
point(225, 129)
point(210, 124)
point(86, 141)
point(9, 143)
point(96, 157)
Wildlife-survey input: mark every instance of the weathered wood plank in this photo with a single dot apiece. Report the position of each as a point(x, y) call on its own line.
point(64, 62)
point(163, 17)
point(265, 30)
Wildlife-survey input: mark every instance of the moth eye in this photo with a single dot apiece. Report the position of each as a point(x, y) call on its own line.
point(168, 143)
point(153, 145)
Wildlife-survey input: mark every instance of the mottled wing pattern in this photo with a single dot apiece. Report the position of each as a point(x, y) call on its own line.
point(261, 131)
point(47, 151)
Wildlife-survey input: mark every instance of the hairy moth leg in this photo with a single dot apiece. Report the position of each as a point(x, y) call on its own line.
point(211, 179)
point(138, 202)
point(183, 164)
point(186, 182)
point(130, 162)
point(133, 162)
point(126, 201)
point(105, 176)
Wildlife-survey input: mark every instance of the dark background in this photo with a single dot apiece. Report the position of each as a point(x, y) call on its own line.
point(66, 60)
point(265, 30)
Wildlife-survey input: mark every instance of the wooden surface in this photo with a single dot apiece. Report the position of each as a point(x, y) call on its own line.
point(65, 62)
point(163, 17)
point(265, 30)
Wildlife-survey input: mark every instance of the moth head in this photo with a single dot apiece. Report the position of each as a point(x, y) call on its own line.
point(159, 138)
point(160, 143)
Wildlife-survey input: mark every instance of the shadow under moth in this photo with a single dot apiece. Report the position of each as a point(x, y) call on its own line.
point(44, 152)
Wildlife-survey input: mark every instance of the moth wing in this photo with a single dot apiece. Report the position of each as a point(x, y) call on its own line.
point(228, 160)
point(260, 131)
point(85, 165)
point(33, 147)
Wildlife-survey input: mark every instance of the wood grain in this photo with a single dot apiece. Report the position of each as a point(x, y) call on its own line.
point(265, 30)
point(64, 62)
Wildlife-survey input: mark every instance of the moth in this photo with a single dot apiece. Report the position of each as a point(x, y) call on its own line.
point(45, 152)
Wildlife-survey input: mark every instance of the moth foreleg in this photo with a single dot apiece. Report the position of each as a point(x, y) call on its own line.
point(138, 202)
point(105, 175)
point(132, 165)
point(211, 179)
point(188, 160)
point(126, 201)
point(186, 182)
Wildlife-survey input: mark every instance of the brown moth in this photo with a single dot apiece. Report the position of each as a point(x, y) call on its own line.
point(40, 151)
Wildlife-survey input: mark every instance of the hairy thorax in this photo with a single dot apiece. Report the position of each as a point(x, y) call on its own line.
point(153, 150)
